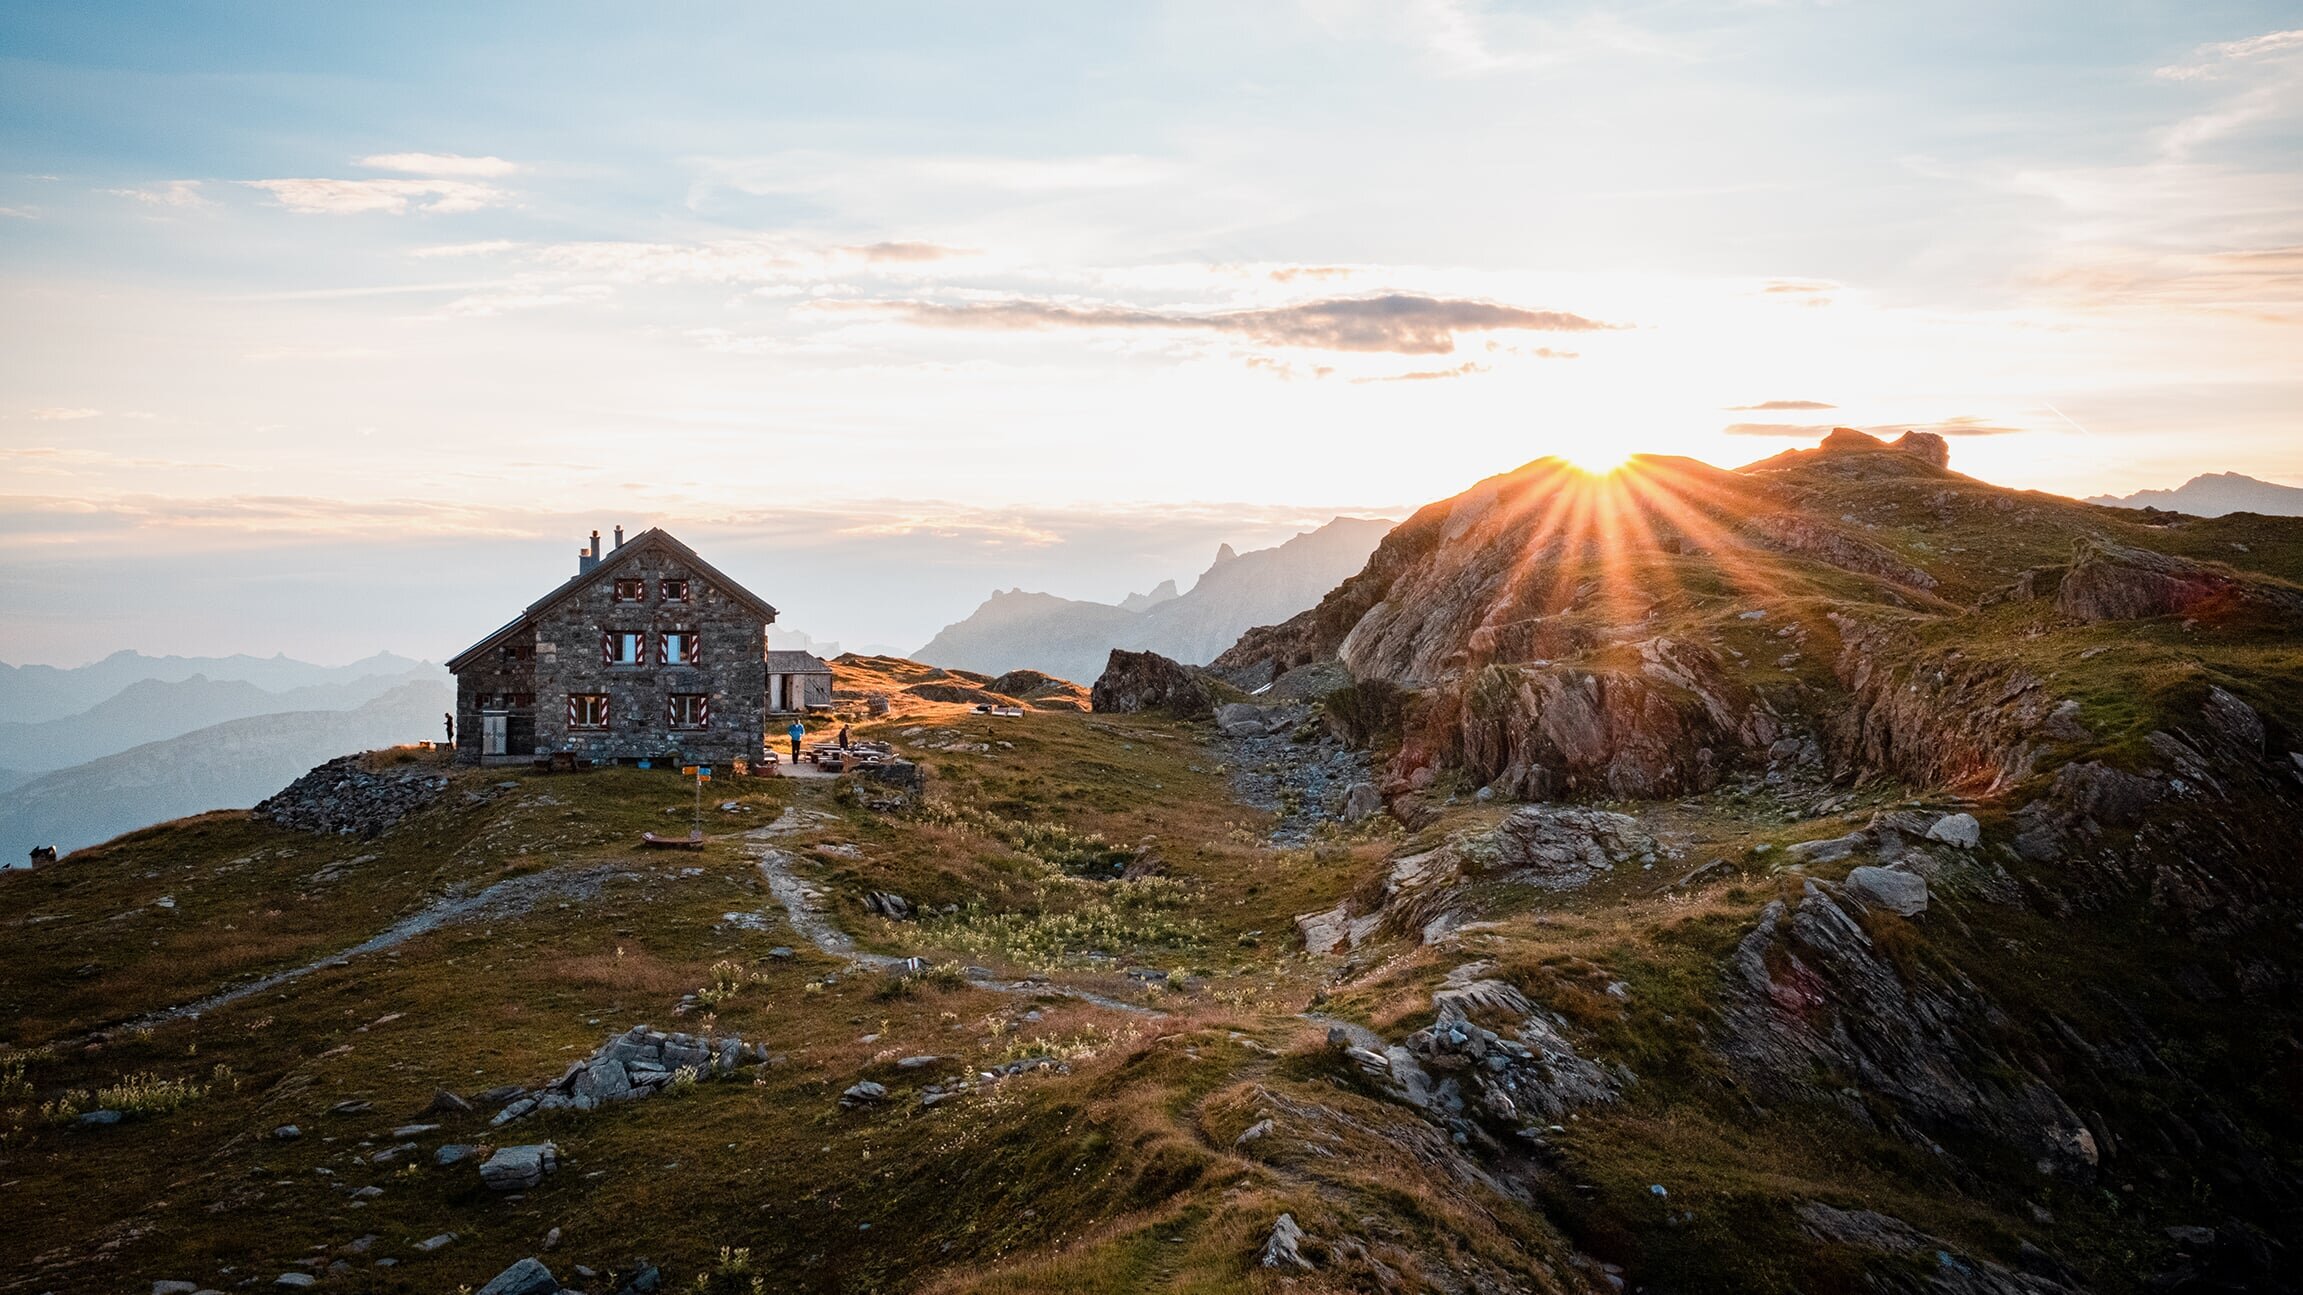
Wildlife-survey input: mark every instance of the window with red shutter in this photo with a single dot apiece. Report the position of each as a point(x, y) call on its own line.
point(689, 710)
point(587, 710)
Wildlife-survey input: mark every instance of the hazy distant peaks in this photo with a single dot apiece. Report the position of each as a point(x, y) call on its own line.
point(2212, 494)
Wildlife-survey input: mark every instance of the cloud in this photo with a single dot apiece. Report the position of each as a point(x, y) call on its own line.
point(901, 253)
point(166, 193)
point(1766, 405)
point(58, 414)
point(20, 213)
point(1961, 425)
point(1291, 273)
point(1397, 323)
point(270, 353)
point(393, 197)
point(1463, 370)
point(484, 168)
point(2215, 59)
point(507, 300)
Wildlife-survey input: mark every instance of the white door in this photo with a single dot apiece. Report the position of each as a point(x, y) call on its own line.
point(492, 732)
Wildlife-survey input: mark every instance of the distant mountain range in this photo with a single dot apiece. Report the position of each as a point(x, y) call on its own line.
point(1071, 639)
point(231, 765)
point(2214, 494)
point(32, 693)
point(150, 710)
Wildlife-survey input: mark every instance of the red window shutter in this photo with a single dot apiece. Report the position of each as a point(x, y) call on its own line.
point(607, 648)
point(571, 710)
point(703, 712)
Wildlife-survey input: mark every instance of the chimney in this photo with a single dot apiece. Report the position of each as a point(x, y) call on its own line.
point(619, 537)
point(586, 559)
point(595, 546)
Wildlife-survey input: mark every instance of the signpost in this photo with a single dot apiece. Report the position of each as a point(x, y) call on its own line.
point(702, 773)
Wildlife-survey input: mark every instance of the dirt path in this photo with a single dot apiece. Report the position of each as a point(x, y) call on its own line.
point(804, 908)
point(508, 898)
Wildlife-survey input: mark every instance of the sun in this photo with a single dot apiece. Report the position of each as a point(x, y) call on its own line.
point(1596, 460)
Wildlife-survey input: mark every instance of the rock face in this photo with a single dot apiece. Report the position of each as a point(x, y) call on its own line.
point(346, 797)
point(1533, 1075)
point(1146, 681)
point(1809, 993)
point(2113, 582)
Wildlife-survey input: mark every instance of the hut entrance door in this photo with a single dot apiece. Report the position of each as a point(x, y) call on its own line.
point(492, 732)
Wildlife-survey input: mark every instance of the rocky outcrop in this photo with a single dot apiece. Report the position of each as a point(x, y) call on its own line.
point(1552, 847)
point(1674, 725)
point(2114, 582)
point(636, 1064)
point(1146, 681)
point(347, 797)
point(1814, 1009)
point(1833, 544)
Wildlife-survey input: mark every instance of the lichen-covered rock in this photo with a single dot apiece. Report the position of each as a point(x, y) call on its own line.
point(1146, 681)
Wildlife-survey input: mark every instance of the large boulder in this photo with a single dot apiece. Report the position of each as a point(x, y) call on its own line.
point(2112, 582)
point(1146, 681)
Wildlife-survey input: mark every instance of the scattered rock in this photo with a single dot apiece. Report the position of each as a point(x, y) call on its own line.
point(433, 1243)
point(445, 1102)
point(889, 905)
point(347, 798)
point(1827, 851)
point(97, 1119)
point(1889, 888)
point(518, 1168)
point(1284, 1247)
point(1361, 801)
point(295, 1281)
point(455, 1153)
point(1261, 1128)
point(865, 1093)
point(287, 1133)
point(1959, 830)
point(174, 1288)
point(527, 1277)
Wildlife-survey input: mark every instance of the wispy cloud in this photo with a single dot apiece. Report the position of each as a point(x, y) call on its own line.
point(1960, 425)
point(1398, 323)
point(61, 414)
point(1463, 370)
point(318, 197)
point(1765, 405)
point(166, 193)
point(2217, 58)
point(452, 164)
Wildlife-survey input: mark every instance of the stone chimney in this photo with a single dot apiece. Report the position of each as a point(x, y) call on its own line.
point(586, 559)
point(619, 537)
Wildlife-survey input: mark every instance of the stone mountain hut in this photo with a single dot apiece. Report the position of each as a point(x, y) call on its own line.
point(647, 653)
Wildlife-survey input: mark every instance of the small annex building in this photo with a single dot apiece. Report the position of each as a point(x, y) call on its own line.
point(647, 653)
point(798, 681)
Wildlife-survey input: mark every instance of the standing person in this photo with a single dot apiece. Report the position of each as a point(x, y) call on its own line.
point(843, 737)
point(795, 733)
point(448, 718)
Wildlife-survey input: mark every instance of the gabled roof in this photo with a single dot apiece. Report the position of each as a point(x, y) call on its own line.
point(655, 537)
point(797, 663)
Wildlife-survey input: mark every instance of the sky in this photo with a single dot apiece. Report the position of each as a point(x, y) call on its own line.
point(331, 328)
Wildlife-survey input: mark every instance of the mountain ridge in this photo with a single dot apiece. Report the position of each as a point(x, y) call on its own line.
point(1070, 638)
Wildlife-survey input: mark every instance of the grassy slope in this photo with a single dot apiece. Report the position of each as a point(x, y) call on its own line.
point(1120, 1174)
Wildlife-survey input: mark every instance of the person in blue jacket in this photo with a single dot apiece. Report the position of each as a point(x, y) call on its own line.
point(795, 733)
